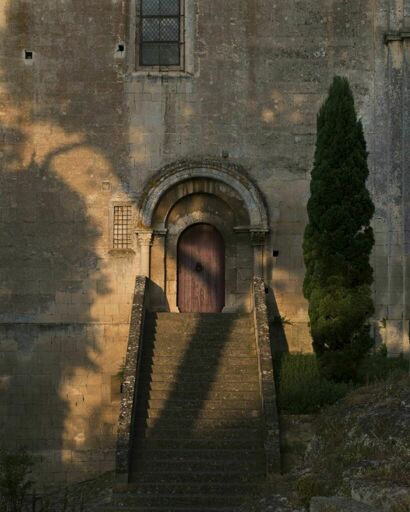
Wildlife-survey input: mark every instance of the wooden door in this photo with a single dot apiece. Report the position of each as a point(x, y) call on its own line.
point(201, 270)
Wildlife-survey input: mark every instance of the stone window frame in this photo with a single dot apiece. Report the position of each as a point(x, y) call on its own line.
point(131, 247)
point(179, 43)
point(187, 67)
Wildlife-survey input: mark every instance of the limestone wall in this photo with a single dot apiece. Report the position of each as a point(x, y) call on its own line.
point(80, 132)
point(65, 298)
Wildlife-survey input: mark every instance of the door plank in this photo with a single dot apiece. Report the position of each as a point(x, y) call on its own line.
point(201, 270)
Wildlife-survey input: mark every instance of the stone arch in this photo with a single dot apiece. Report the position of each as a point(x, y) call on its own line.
point(231, 175)
point(198, 187)
point(216, 193)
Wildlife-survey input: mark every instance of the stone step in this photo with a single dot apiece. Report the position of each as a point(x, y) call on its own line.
point(196, 444)
point(188, 333)
point(197, 341)
point(194, 472)
point(204, 352)
point(177, 500)
point(225, 374)
point(199, 334)
point(205, 456)
point(136, 489)
point(143, 508)
point(214, 344)
point(197, 423)
point(222, 386)
point(193, 356)
point(200, 366)
point(202, 405)
point(208, 413)
point(198, 395)
point(212, 318)
point(186, 433)
point(193, 325)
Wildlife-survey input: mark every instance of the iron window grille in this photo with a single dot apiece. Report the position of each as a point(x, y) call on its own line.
point(122, 227)
point(161, 35)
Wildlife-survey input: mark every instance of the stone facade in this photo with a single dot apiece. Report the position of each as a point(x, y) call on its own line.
point(82, 131)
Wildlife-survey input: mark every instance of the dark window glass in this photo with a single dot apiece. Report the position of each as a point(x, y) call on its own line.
point(170, 7)
point(170, 29)
point(150, 54)
point(150, 29)
point(169, 54)
point(150, 7)
point(160, 40)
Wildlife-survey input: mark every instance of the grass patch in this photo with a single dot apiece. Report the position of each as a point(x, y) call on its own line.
point(378, 367)
point(301, 389)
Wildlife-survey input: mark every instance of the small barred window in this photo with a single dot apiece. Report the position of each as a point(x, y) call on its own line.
point(161, 37)
point(122, 227)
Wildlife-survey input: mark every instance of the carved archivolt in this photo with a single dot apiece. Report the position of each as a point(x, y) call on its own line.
point(231, 175)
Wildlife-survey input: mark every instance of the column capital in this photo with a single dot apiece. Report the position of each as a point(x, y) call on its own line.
point(145, 237)
point(258, 236)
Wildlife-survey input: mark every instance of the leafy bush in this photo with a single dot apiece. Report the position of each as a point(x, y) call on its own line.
point(301, 388)
point(338, 239)
point(15, 484)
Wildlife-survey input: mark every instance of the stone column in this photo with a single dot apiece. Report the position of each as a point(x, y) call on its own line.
point(145, 242)
point(157, 270)
point(258, 237)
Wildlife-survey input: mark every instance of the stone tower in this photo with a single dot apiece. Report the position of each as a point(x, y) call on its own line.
point(125, 123)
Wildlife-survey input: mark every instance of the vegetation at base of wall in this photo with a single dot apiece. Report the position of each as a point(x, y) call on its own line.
point(15, 483)
point(301, 388)
point(378, 367)
point(338, 239)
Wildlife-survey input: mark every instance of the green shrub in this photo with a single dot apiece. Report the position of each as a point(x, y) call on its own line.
point(338, 239)
point(15, 468)
point(301, 388)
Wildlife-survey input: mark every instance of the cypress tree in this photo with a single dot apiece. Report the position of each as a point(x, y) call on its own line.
point(338, 239)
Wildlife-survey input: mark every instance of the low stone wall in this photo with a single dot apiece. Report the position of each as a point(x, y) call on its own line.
point(266, 378)
point(130, 382)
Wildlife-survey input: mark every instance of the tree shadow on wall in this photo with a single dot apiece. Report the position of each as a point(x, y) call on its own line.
point(62, 133)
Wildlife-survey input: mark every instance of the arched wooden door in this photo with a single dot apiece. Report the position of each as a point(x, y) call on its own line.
point(201, 270)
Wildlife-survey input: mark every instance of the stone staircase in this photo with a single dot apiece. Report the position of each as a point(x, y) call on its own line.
point(199, 432)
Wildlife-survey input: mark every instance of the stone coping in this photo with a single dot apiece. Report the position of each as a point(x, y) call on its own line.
point(130, 382)
point(266, 378)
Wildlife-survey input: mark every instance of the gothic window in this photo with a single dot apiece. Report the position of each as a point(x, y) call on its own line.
point(161, 34)
point(122, 227)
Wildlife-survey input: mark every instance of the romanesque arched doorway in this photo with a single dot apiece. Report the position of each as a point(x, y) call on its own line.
point(189, 193)
point(201, 270)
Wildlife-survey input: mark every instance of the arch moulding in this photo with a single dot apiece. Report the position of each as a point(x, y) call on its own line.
point(232, 175)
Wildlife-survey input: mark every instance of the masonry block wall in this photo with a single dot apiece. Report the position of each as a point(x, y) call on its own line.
point(81, 131)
